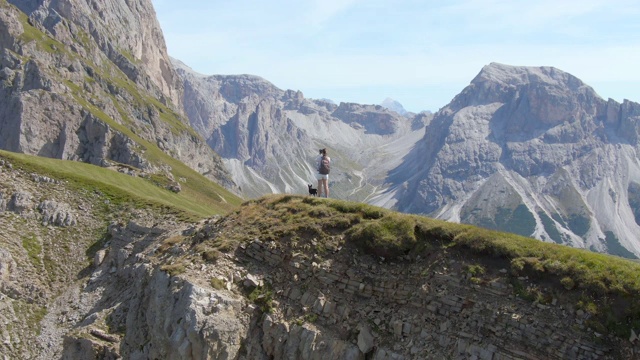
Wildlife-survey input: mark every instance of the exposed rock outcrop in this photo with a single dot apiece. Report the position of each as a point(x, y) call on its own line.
point(38, 262)
point(319, 305)
point(415, 314)
point(21, 203)
point(372, 118)
point(55, 213)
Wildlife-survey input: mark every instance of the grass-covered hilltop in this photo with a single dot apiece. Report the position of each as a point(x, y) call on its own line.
point(606, 287)
point(92, 258)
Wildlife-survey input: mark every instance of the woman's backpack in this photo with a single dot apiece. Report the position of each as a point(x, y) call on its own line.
point(325, 167)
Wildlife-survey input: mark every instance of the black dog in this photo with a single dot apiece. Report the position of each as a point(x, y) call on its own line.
point(313, 191)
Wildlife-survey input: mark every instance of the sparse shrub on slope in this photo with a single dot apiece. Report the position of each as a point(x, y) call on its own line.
point(388, 237)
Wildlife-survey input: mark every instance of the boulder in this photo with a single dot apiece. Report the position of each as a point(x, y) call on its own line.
point(58, 214)
point(21, 202)
point(365, 339)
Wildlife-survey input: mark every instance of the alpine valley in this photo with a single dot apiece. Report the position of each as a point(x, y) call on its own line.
point(529, 150)
point(151, 212)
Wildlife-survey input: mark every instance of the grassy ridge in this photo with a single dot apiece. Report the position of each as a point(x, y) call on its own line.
point(199, 198)
point(605, 286)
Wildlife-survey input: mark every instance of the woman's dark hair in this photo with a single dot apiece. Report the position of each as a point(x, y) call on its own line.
point(323, 151)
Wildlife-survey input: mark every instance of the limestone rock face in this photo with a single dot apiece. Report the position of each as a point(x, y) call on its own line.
point(3, 203)
point(269, 138)
point(7, 266)
point(531, 150)
point(303, 342)
point(91, 81)
point(127, 32)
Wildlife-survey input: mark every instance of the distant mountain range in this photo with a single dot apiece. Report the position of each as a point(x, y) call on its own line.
point(269, 137)
point(530, 150)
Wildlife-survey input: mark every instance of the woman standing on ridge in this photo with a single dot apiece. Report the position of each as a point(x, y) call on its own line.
point(323, 164)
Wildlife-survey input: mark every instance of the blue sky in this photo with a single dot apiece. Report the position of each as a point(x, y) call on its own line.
point(420, 53)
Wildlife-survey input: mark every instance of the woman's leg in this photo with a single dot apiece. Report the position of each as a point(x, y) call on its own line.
point(320, 187)
point(326, 187)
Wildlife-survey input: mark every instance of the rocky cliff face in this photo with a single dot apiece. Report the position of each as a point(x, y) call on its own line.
point(270, 137)
point(126, 32)
point(533, 151)
point(90, 81)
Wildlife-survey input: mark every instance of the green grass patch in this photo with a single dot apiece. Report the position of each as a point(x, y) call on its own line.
point(475, 269)
point(34, 249)
point(263, 297)
point(217, 284)
point(390, 236)
point(310, 318)
point(31, 315)
point(211, 255)
point(196, 186)
point(44, 42)
point(202, 199)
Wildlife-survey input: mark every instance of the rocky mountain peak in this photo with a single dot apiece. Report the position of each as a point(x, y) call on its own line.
point(523, 75)
point(499, 83)
point(536, 97)
point(183, 68)
point(374, 119)
point(233, 88)
point(394, 105)
point(236, 87)
point(496, 152)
